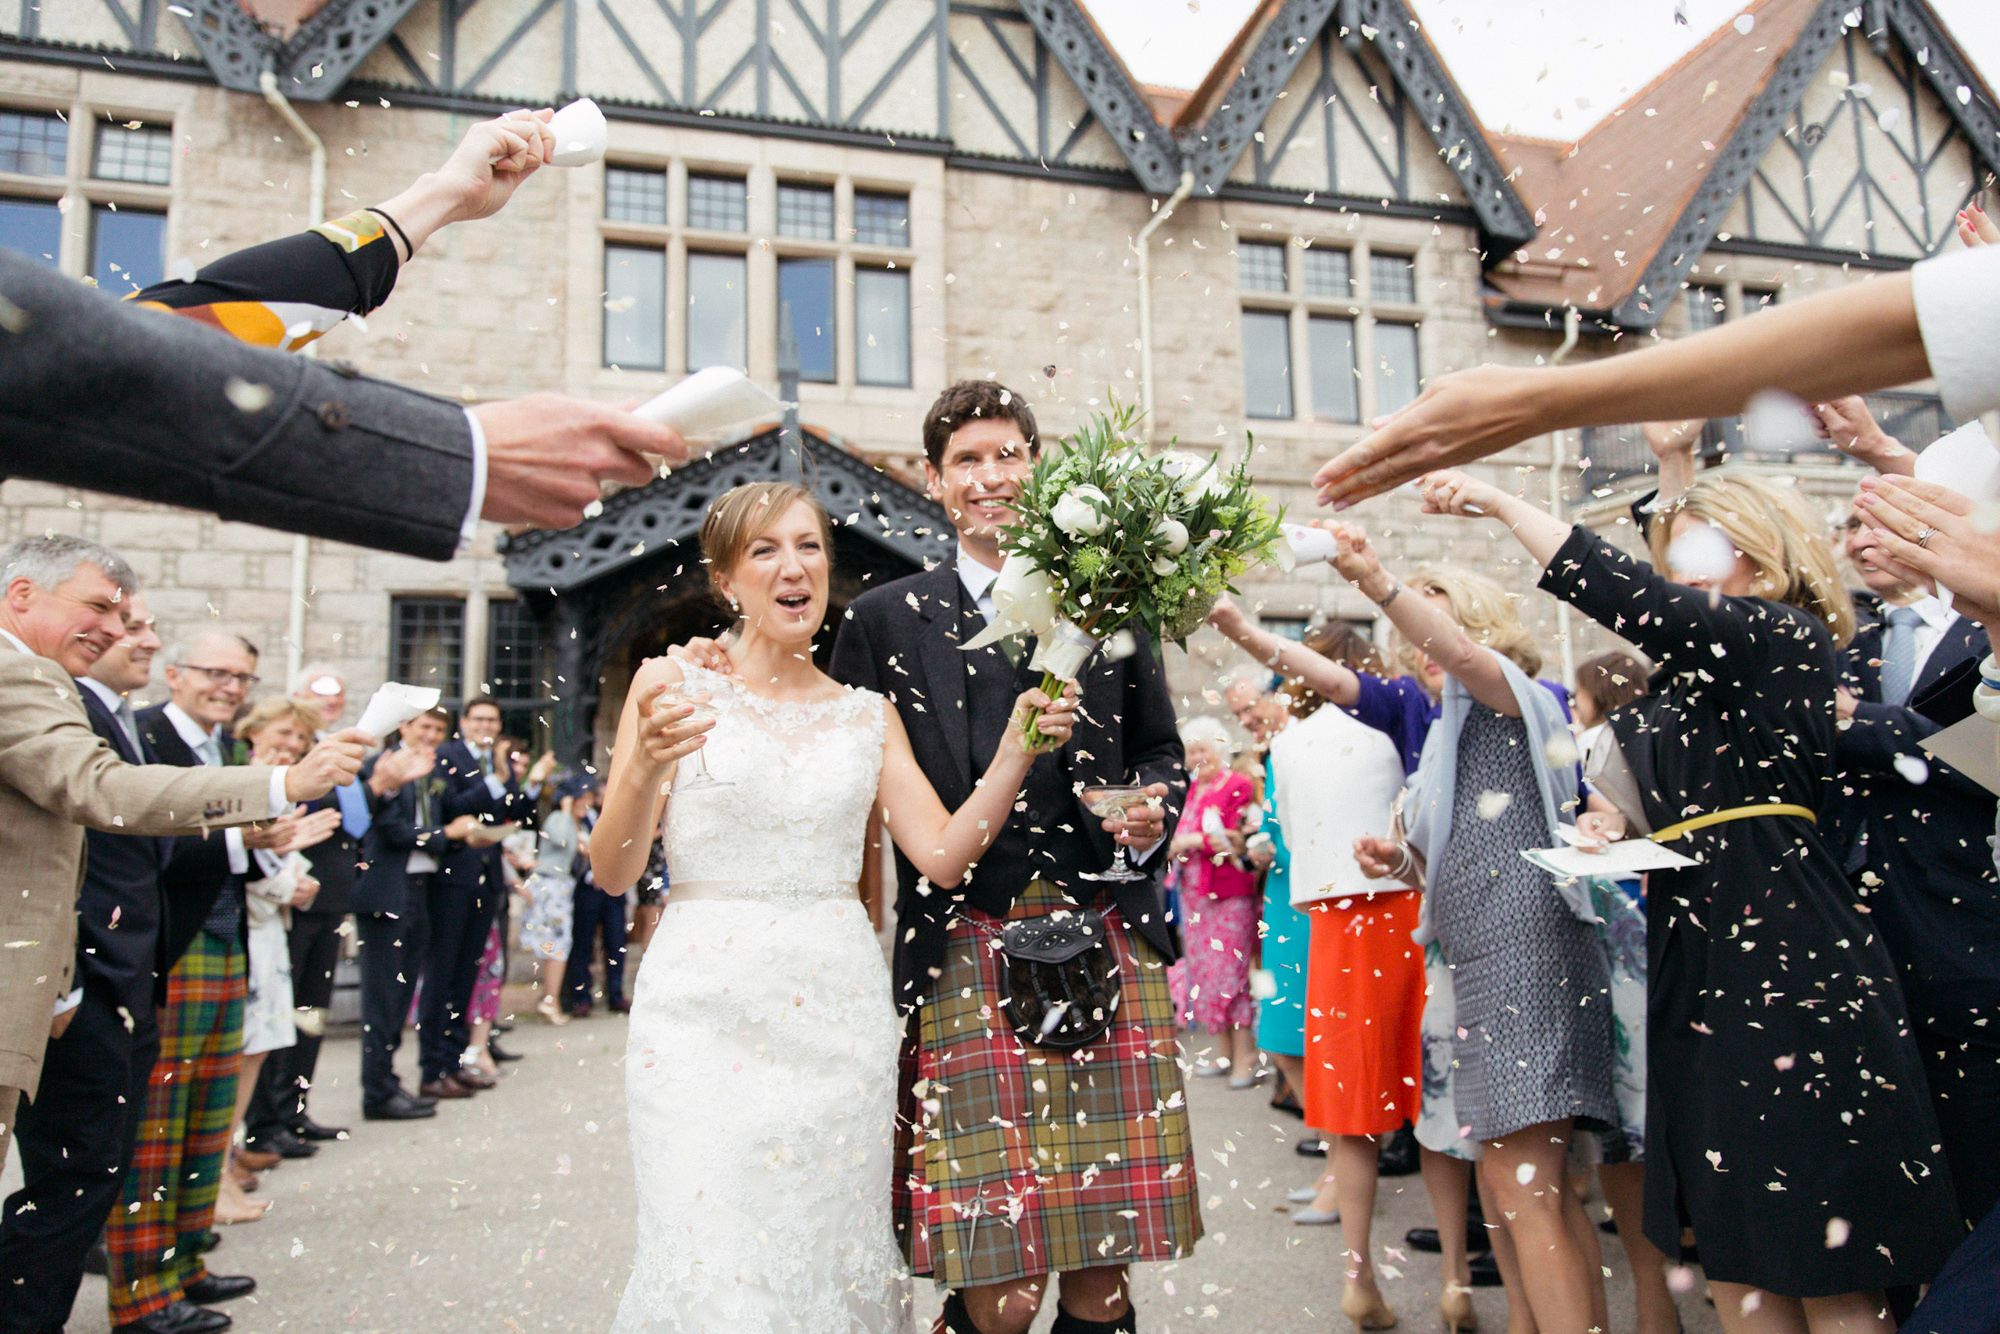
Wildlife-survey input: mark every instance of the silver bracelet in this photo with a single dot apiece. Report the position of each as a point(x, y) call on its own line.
point(1395, 591)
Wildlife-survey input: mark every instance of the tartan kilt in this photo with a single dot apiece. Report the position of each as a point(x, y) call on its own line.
point(1016, 1161)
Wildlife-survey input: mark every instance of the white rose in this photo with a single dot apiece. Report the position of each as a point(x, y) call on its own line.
point(1171, 534)
point(1081, 512)
point(1163, 566)
point(1197, 477)
point(1023, 595)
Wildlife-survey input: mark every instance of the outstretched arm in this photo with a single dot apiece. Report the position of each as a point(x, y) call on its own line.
point(1324, 676)
point(943, 845)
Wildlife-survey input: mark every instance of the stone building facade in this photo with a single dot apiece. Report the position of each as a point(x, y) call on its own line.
point(933, 189)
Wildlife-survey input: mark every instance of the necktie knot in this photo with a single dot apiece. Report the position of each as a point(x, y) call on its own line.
point(1905, 618)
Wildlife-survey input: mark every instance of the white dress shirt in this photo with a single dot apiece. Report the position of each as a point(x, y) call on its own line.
point(121, 709)
point(1957, 297)
point(470, 526)
point(198, 738)
point(1937, 619)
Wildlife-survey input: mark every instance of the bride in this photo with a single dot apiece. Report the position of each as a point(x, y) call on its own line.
point(761, 1062)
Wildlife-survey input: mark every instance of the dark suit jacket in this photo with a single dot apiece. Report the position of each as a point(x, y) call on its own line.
point(199, 865)
point(118, 940)
point(383, 885)
point(466, 793)
point(1923, 845)
point(902, 640)
point(129, 401)
point(335, 864)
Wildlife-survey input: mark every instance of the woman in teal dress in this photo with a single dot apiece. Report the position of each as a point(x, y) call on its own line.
point(1281, 1016)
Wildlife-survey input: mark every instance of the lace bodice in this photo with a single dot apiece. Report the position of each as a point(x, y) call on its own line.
point(795, 821)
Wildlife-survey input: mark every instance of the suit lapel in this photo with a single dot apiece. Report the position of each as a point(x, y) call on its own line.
point(1960, 641)
point(943, 662)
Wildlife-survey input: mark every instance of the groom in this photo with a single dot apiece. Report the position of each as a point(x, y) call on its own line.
point(1015, 1160)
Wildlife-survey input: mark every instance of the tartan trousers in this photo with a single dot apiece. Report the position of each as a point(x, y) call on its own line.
point(153, 1236)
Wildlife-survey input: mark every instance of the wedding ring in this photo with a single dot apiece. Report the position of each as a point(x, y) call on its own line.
point(1924, 536)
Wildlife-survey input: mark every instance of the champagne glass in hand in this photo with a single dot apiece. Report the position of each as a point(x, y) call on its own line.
point(1110, 801)
point(703, 712)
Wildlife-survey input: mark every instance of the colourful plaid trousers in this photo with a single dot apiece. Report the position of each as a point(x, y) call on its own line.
point(153, 1236)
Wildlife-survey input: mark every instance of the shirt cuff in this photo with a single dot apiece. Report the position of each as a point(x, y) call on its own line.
point(281, 803)
point(496, 787)
point(470, 527)
point(1957, 297)
point(69, 1002)
point(239, 856)
point(1140, 856)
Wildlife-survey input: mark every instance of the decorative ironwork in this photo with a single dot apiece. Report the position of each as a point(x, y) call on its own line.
point(1112, 96)
point(862, 499)
point(234, 45)
point(331, 45)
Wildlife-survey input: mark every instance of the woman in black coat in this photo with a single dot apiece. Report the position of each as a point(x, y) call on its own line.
point(1787, 1117)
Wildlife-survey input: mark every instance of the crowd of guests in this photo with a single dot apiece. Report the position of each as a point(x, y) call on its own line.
point(1813, 1066)
point(188, 1059)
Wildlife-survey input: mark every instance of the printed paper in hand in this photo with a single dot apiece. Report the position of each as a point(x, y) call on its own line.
point(1624, 858)
point(1968, 746)
point(393, 705)
point(709, 401)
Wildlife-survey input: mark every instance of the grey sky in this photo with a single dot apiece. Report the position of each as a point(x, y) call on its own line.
point(1544, 67)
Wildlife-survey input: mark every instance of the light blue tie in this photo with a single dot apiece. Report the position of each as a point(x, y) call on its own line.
point(1899, 654)
point(211, 751)
point(354, 816)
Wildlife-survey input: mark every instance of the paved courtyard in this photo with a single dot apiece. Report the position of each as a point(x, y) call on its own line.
point(513, 1212)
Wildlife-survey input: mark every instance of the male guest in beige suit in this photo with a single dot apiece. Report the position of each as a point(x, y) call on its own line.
point(61, 607)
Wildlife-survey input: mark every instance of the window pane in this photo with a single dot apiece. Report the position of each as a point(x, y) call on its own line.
point(716, 311)
point(806, 211)
point(1336, 393)
point(1754, 300)
point(1393, 277)
point(1260, 267)
point(1706, 307)
point(33, 144)
point(635, 307)
point(128, 248)
point(718, 203)
point(882, 219)
point(31, 227)
point(882, 326)
point(805, 289)
point(631, 195)
point(145, 154)
point(1329, 273)
point(516, 656)
point(1396, 370)
point(1267, 364)
point(427, 643)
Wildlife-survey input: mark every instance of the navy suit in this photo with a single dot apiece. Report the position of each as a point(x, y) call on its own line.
point(76, 1137)
point(464, 901)
point(392, 920)
point(199, 868)
point(1918, 855)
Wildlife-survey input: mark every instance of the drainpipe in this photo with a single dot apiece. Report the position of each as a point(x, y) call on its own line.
point(1144, 247)
point(1558, 459)
point(295, 624)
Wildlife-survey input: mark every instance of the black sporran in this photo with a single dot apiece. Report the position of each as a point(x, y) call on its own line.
point(1061, 978)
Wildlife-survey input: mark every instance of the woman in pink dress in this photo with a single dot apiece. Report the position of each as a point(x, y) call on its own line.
point(1219, 903)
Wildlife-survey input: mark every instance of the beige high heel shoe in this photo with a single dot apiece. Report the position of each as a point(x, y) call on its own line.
point(1365, 1307)
point(1455, 1305)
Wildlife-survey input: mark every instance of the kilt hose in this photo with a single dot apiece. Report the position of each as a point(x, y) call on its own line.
point(153, 1238)
point(1023, 1160)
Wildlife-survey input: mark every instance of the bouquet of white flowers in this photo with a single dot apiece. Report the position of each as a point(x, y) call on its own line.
point(1109, 536)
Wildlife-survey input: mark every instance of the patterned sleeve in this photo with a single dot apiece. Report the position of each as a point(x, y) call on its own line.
point(286, 293)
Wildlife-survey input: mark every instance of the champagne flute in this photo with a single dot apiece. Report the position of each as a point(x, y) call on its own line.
point(703, 712)
point(1110, 801)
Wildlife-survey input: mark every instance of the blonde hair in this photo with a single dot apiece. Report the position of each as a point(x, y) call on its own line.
point(742, 514)
point(265, 712)
point(1777, 534)
point(1482, 608)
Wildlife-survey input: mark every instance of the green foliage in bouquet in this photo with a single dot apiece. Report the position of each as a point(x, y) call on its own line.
point(1110, 537)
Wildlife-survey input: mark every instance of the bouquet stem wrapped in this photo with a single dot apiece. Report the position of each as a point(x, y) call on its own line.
point(1110, 540)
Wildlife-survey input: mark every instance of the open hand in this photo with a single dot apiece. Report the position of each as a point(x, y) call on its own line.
point(1928, 533)
point(1463, 416)
point(1975, 228)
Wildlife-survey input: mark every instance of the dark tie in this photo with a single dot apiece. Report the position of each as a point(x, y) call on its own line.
point(1899, 654)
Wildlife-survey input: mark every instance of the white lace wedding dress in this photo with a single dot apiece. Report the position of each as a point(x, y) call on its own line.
point(761, 1063)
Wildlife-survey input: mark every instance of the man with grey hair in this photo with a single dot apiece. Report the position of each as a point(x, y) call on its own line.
point(61, 607)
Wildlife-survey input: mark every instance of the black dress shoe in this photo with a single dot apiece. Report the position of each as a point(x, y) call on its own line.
point(1485, 1270)
point(500, 1053)
point(1426, 1238)
point(503, 1025)
point(1312, 1146)
point(285, 1144)
point(400, 1108)
point(1399, 1156)
point(620, 1005)
point(314, 1133)
point(179, 1318)
point(212, 1288)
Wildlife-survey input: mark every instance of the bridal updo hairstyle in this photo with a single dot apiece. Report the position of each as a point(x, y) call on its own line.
point(1776, 532)
point(745, 513)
